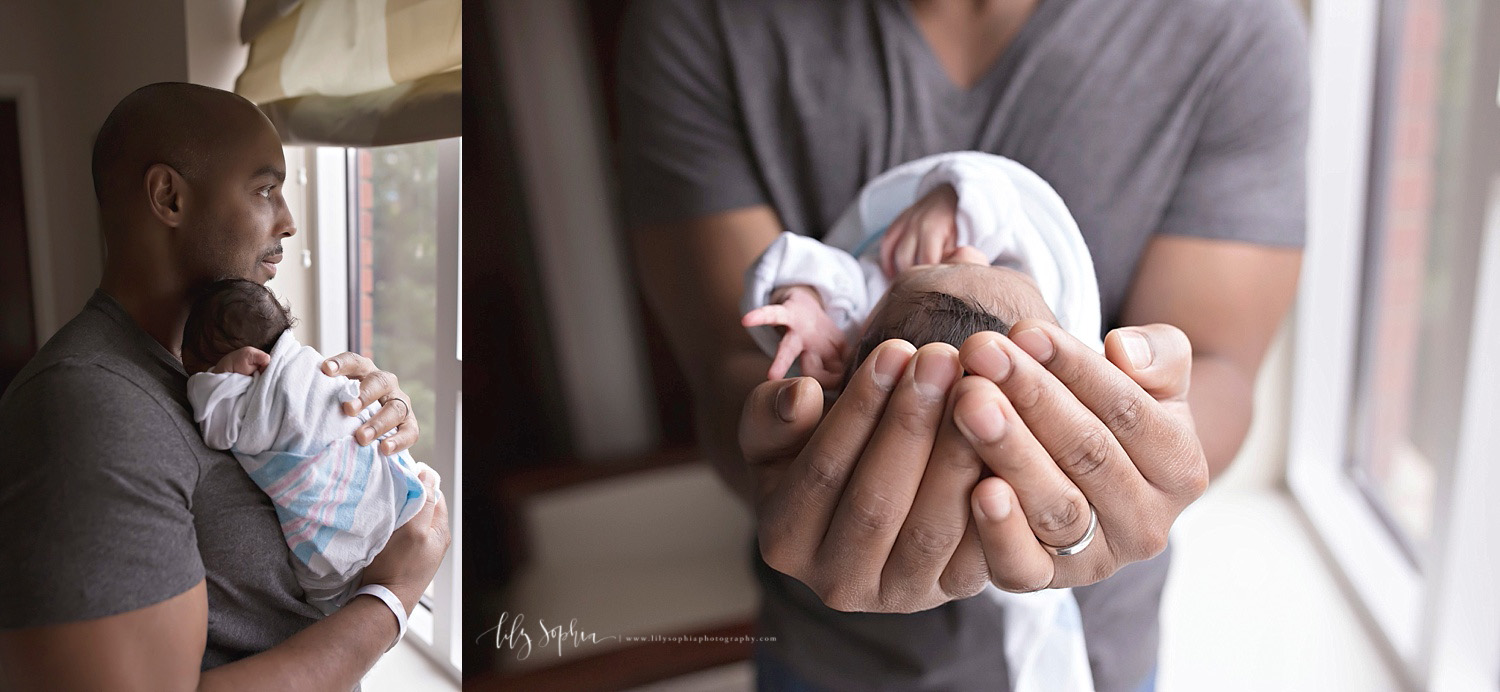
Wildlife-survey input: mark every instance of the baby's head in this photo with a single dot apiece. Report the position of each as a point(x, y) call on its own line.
point(950, 302)
point(227, 315)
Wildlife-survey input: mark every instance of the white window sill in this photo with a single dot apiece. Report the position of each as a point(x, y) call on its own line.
point(1252, 604)
point(405, 668)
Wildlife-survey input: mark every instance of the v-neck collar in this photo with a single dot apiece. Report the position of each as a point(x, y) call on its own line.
point(1001, 69)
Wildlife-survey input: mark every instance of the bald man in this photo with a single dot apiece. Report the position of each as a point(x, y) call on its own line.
point(135, 557)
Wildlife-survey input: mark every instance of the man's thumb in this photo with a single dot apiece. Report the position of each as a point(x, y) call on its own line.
point(779, 418)
point(1158, 357)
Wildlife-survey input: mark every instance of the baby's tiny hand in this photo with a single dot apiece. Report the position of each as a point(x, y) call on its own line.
point(923, 234)
point(809, 334)
point(245, 361)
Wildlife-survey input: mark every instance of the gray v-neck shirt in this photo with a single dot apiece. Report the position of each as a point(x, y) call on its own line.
point(1181, 117)
point(114, 503)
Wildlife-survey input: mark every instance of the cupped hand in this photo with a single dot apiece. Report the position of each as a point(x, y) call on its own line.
point(376, 385)
point(1063, 427)
point(866, 505)
point(923, 234)
point(810, 336)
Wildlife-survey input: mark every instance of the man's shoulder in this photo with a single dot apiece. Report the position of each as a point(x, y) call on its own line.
point(715, 20)
point(91, 377)
point(76, 378)
point(1184, 50)
point(1213, 23)
point(88, 374)
point(1218, 11)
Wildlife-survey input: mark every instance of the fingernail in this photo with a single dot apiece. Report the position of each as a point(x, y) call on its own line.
point(330, 367)
point(982, 422)
point(786, 402)
point(889, 362)
point(362, 436)
point(934, 373)
point(990, 361)
point(1137, 349)
point(1036, 343)
point(994, 506)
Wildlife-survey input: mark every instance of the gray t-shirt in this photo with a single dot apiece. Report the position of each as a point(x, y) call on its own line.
point(1183, 117)
point(114, 503)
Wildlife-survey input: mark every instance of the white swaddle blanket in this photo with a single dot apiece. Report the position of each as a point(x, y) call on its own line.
point(338, 502)
point(1017, 220)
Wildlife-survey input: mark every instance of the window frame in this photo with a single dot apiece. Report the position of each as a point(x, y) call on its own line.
point(1425, 622)
point(435, 623)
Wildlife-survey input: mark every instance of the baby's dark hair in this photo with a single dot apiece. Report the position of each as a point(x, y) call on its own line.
point(933, 316)
point(230, 314)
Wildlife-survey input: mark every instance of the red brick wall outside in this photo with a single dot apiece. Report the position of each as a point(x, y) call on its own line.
point(1408, 216)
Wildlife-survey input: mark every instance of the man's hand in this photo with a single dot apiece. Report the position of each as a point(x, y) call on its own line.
point(1062, 427)
point(412, 556)
point(245, 361)
point(809, 333)
point(376, 385)
point(867, 506)
point(923, 234)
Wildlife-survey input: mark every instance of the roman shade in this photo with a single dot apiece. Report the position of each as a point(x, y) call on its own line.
point(355, 72)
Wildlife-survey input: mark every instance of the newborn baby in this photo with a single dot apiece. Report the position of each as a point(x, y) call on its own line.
point(971, 221)
point(258, 393)
point(936, 250)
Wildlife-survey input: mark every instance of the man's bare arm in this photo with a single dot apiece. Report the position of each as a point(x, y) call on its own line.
point(692, 274)
point(160, 648)
point(1229, 298)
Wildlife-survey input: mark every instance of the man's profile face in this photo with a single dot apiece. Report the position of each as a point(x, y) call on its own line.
point(238, 218)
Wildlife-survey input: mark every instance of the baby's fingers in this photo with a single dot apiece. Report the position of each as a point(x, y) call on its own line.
point(786, 354)
point(906, 252)
point(888, 242)
point(776, 314)
point(828, 373)
point(935, 241)
point(245, 361)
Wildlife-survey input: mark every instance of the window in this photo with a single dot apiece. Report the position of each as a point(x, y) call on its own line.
point(1398, 331)
point(387, 276)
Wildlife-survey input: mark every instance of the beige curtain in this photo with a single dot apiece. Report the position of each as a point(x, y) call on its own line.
point(355, 72)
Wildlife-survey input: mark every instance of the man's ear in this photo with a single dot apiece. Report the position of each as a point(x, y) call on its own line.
point(166, 191)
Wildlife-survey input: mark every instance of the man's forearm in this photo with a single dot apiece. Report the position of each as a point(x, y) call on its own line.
point(1222, 399)
point(332, 654)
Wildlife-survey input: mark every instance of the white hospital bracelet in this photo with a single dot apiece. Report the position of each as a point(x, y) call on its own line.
point(391, 602)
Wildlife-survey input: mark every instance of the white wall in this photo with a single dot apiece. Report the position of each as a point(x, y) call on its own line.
point(214, 53)
point(83, 57)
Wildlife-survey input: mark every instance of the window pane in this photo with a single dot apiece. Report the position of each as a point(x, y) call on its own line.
point(395, 192)
point(1419, 275)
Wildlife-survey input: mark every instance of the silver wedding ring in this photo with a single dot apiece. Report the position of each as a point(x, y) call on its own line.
point(1082, 543)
